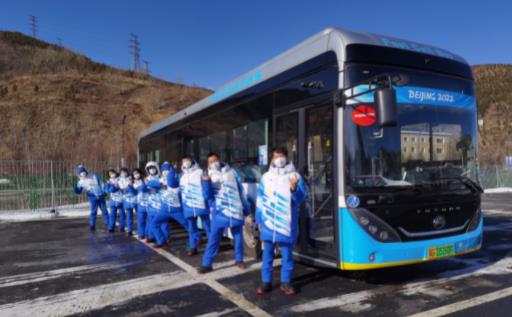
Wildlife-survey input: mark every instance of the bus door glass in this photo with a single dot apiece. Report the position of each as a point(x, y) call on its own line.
point(319, 177)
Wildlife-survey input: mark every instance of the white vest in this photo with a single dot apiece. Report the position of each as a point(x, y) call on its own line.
point(191, 188)
point(276, 201)
point(91, 185)
point(171, 196)
point(227, 195)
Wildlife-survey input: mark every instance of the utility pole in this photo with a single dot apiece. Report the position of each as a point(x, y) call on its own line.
point(146, 67)
point(33, 25)
point(59, 40)
point(135, 51)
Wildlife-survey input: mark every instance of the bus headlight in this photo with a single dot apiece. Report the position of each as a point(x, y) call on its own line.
point(475, 221)
point(374, 226)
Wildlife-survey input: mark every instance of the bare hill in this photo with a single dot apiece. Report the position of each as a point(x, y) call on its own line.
point(57, 104)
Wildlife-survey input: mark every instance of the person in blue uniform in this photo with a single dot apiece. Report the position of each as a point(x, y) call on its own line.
point(129, 198)
point(115, 202)
point(154, 200)
point(139, 186)
point(280, 193)
point(195, 191)
point(171, 205)
point(94, 187)
point(228, 207)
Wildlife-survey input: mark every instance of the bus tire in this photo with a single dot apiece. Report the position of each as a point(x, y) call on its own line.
point(252, 243)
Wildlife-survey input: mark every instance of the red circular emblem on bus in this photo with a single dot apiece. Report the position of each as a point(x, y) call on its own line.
point(363, 115)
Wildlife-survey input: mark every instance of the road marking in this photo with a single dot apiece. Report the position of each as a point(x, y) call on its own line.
point(34, 277)
point(209, 279)
point(219, 313)
point(468, 303)
point(93, 298)
point(358, 300)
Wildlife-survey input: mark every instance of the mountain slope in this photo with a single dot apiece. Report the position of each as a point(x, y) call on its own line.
point(57, 104)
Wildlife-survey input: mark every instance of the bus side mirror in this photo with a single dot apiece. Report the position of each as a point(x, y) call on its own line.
point(386, 107)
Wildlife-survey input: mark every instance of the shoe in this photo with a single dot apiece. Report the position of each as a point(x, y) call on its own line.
point(192, 252)
point(142, 238)
point(92, 228)
point(150, 240)
point(288, 289)
point(264, 288)
point(204, 270)
point(241, 265)
point(160, 246)
point(122, 230)
point(130, 233)
point(111, 230)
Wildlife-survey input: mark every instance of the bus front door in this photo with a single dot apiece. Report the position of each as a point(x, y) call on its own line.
point(307, 133)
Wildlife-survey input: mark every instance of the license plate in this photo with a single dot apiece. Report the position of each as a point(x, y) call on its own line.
point(437, 252)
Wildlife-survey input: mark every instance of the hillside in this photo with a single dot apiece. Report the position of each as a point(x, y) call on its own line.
point(57, 104)
point(494, 92)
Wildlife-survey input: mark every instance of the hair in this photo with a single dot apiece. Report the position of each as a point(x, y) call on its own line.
point(124, 169)
point(111, 171)
point(280, 150)
point(138, 170)
point(186, 156)
point(213, 154)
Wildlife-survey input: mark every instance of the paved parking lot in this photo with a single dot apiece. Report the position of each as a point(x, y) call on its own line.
point(59, 268)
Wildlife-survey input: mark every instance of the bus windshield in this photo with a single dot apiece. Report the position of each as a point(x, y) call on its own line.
point(433, 144)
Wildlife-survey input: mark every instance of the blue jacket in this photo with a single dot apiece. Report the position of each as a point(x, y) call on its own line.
point(129, 194)
point(116, 196)
point(228, 200)
point(154, 198)
point(93, 185)
point(195, 192)
point(277, 207)
point(170, 191)
point(141, 191)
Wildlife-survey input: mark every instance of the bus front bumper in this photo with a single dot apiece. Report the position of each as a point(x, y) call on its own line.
point(359, 251)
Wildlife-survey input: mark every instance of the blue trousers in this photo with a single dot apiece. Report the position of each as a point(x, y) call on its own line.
point(114, 208)
point(219, 224)
point(268, 259)
point(149, 232)
point(193, 233)
point(128, 209)
point(94, 204)
point(160, 225)
point(142, 215)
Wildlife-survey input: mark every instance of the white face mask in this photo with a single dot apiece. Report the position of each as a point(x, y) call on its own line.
point(112, 175)
point(215, 166)
point(152, 171)
point(280, 162)
point(82, 175)
point(165, 173)
point(124, 174)
point(186, 164)
point(136, 176)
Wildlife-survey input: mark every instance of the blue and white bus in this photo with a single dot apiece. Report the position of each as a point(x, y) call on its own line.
point(384, 131)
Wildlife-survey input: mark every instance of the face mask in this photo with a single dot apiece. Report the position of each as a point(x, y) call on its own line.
point(280, 162)
point(152, 171)
point(112, 175)
point(82, 175)
point(124, 174)
point(186, 164)
point(215, 166)
point(165, 173)
point(136, 176)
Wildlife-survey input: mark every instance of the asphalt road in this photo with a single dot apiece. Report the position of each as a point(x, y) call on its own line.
point(59, 268)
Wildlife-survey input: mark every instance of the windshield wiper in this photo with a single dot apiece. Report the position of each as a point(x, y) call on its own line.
point(471, 184)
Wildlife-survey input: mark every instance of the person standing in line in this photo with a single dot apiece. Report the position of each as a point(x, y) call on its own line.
point(154, 198)
point(280, 193)
point(129, 198)
point(94, 187)
point(229, 207)
point(195, 190)
point(115, 202)
point(142, 202)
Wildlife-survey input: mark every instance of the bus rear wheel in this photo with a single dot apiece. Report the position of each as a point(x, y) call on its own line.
point(252, 243)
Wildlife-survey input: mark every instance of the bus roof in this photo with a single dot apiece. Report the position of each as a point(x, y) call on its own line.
point(331, 39)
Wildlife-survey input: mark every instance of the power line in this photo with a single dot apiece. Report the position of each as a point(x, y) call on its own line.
point(146, 66)
point(33, 25)
point(135, 51)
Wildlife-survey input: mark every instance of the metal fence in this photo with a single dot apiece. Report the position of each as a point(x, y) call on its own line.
point(36, 185)
point(39, 185)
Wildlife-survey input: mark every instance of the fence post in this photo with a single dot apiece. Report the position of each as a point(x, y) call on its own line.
point(52, 210)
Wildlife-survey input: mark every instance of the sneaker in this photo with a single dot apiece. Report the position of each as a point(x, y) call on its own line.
point(150, 240)
point(130, 233)
point(92, 228)
point(192, 252)
point(111, 230)
point(264, 288)
point(288, 289)
point(241, 265)
point(204, 270)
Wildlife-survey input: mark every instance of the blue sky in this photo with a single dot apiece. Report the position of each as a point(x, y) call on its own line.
point(208, 43)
